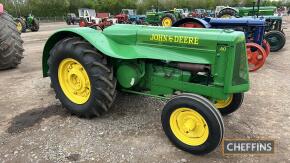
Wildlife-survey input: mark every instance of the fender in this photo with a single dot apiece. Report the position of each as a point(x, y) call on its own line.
point(143, 42)
point(1, 9)
point(204, 23)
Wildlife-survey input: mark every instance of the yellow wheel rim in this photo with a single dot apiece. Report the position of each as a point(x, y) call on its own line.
point(19, 26)
point(220, 104)
point(226, 16)
point(166, 22)
point(74, 81)
point(189, 126)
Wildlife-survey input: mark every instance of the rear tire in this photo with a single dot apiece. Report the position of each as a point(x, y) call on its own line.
point(101, 81)
point(168, 20)
point(202, 125)
point(226, 13)
point(276, 39)
point(11, 48)
point(35, 25)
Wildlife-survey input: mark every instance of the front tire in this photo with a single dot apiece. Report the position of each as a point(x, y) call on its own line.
point(231, 104)
point(193, 124)
point(81, 77)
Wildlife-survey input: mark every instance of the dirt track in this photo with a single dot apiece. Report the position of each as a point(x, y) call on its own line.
point(34, 127)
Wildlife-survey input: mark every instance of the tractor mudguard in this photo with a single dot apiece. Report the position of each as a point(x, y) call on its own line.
point(202, 22)
point(142, 42)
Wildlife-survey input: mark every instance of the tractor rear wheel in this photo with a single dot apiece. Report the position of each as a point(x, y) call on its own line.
point(11, 48)
point(81, 77)
point(35, 25)
point(231, 104)
point(193, 124)
point(83, 22)
point(168, 20)
point(20, 25)
point(276, 39)
point(188, 23)
point(227, 13)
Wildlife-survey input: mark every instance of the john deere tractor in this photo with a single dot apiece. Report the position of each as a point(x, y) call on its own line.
point(29, 22)
point(202, 72)
point(164, 18)
point(11, 50)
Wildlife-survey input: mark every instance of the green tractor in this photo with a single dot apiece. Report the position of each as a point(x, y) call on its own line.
point(11, 48)
point(164, 18)
point(30, 22)
point(225, 11)
point(202, 72)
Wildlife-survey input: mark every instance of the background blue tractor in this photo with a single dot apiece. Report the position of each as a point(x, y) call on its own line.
point(257, 47)
point(129, 16)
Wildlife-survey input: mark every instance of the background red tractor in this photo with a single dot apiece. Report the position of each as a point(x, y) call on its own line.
point(11, 49)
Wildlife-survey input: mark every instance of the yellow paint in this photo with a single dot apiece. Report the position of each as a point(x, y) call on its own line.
point(167, 22)
point(175, 39)
point(189, 126)
point(74, 81)
point(220, 104)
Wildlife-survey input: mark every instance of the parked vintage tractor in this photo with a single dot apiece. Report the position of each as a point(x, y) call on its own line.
point(11, 49)
point(164, 18)
point(71, 19)
point(257, 48)
point(129, 16)
point(89, 18)
point(226, 11)
point(28, 23)
point(201, 71)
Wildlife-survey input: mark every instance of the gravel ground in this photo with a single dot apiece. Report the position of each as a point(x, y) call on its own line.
point(35, 128)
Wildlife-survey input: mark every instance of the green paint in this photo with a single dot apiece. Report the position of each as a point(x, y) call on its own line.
point(144, 54)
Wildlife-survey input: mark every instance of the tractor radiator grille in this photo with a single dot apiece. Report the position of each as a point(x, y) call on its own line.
point(240, 74)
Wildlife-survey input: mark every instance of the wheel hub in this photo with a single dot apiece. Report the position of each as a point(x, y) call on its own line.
point(189, 126)
point(167, 22)
point(220, 104)
point(74, 81)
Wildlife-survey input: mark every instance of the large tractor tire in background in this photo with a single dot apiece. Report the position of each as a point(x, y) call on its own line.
point(227, 13)
point(276, 39)
point(168, 20)
point(11, 48)
point(35, 25)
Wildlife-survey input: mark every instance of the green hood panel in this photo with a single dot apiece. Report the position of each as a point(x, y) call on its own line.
point(145, 42)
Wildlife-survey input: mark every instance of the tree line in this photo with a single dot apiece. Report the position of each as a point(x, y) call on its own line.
point(51, 8)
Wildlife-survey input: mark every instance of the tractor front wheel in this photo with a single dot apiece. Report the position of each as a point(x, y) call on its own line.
point(193, 124)
point(81, 77)
point(168, 20)
point(256, 56)
point(231, 104)
point(276, 39)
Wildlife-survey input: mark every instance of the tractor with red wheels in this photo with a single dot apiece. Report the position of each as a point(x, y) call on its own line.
point(258, 48)
point(11, 44)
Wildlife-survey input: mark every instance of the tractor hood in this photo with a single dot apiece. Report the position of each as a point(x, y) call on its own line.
point(236, 21)
point(124, 41)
